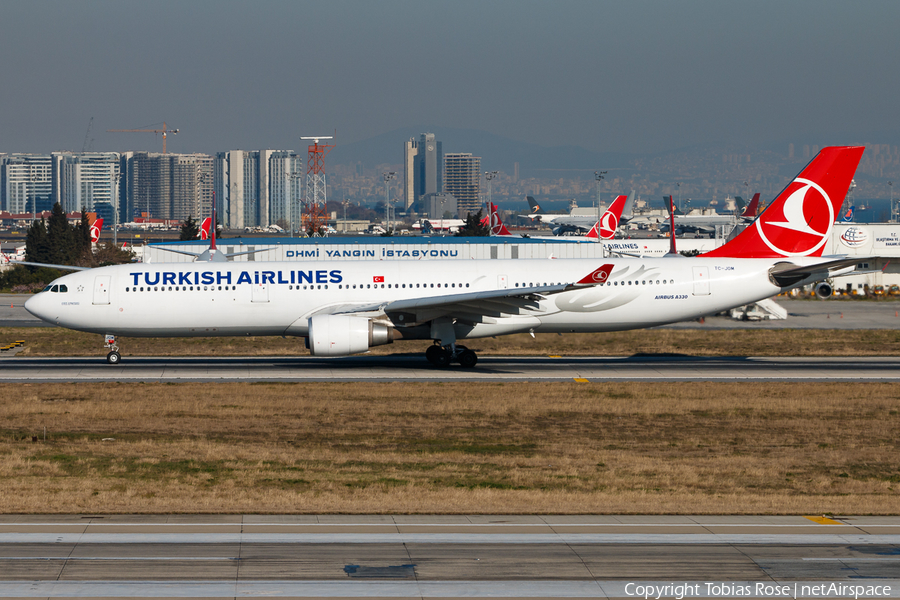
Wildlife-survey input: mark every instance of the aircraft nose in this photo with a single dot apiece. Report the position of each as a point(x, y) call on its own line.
point(36, 305)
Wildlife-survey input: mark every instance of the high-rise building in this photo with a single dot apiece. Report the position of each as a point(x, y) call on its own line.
point(462, 178)
point(410, 149)
point(26, 183)
point(86, 182)
point(257, 188)
point(167, 186)
point(285, 180)
point(428, 166)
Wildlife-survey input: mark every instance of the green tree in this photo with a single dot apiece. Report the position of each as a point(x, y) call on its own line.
point(190, 229)
point(109, 254)
point(37, 244)
point(83, 237)
point(474, 227)
point(62, 237)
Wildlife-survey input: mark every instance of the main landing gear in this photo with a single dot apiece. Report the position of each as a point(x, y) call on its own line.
point(113, 357)
point(442, 356)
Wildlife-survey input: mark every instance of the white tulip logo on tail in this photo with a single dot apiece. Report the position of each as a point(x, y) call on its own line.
point(805, 199)
point(96, 226)
point(609, 223)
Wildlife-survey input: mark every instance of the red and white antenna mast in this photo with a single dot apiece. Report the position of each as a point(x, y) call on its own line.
point(314, 216)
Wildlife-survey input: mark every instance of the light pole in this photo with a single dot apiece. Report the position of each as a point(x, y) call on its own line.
point(489, 175)
point(894, 213)
point(599, 176)
point(293, 176)
point(387, 175)
point(115, 191)
point(344, 203)
point(680, 207)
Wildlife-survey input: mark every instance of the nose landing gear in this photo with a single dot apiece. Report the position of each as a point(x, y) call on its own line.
point(442, 356)
point(113, 357)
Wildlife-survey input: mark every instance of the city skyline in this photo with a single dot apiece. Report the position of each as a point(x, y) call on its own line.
point(632, 77)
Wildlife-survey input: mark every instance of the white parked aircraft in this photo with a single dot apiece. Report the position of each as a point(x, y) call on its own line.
point(345, 308)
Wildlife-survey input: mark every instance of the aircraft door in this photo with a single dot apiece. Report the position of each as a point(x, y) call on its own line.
point(101, 289)
point(502, 282)
point(260, 292)
point(701, 281)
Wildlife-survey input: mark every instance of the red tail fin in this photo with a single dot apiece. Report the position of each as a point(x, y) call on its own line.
point(799, 221)
point(750, 211)
point(594, 233)
point(96, 226)
point(609, 222)
point(497, 226)
point(204, 228)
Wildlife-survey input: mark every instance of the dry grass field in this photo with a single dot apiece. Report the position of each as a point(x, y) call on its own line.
point(699, 342)
point(766, 448)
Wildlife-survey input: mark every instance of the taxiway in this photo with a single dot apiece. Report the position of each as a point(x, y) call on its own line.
point(436, 555)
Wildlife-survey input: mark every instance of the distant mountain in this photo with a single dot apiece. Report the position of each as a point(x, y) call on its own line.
point(496, 152)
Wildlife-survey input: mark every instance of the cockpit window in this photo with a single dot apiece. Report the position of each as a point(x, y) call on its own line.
point(47, 289)
point(55, 288)
point(63, 288)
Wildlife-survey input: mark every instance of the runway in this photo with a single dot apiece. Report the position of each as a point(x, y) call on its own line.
point(431, 556)
point(413, 367)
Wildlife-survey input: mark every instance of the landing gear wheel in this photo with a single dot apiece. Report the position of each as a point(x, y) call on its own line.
point(442, 358)
point(113, 358)
point(432, 353)
point(467, 359)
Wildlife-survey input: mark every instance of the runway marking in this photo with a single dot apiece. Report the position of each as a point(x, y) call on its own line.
point(792, 539)
point(824, 520)
point(581, 380)
point(554, 356)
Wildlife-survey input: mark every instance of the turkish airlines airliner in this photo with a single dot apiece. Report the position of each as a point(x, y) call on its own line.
point(345, 308)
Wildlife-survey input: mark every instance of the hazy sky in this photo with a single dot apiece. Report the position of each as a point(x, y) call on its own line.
point(633, 76)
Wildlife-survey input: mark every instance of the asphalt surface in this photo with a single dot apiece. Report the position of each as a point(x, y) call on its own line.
point(405, 367)
point(427, 556)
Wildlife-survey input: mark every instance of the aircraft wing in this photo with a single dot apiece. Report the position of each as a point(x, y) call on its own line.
point(473, 305)
point(784, 273)
point(60, 267)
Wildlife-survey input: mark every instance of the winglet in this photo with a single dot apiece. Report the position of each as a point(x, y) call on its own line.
point(598, 276)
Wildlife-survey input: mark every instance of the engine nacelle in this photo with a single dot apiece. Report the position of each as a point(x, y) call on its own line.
point(824, 290)
point(340, 335)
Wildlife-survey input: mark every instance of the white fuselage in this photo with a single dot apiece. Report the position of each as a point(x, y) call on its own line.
point(278, 298)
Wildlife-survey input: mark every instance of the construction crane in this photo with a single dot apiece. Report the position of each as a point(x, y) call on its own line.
point(164, 131)
point(87, 146)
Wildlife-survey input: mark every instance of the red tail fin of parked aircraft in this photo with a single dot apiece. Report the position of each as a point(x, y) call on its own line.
point(799, 221)
point(609, 221)
point(204, 228)
point(96, 226)
point(750, 211)
point(497, 226)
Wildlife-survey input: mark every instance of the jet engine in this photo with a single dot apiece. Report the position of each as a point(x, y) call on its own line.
point(824, 290)
point(340, 335)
